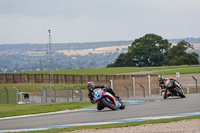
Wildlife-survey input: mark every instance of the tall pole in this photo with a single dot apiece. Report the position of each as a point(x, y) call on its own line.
point(51, 66)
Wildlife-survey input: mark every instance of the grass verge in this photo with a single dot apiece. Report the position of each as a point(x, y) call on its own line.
point(33, 87)
point(102, 71)
point(115, 125)
point(182, 71)
point(7, 110)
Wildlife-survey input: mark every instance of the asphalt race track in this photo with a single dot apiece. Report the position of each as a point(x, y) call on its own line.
point(150, 106)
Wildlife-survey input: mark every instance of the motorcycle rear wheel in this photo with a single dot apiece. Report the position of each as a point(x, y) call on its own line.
point(108, 104)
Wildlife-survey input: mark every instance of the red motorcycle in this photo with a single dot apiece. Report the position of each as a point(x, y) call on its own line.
point(107, 100)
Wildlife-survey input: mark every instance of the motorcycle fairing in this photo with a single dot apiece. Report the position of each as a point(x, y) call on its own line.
point(98, 94)
point(116, 102)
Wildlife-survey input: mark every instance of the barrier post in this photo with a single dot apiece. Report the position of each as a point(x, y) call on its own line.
point(143, 90)
point(196, 83)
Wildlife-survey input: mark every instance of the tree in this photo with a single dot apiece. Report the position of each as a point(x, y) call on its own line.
point(178, 55)
point(149, 50)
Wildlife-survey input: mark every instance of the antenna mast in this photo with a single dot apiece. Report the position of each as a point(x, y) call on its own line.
point(51, 66)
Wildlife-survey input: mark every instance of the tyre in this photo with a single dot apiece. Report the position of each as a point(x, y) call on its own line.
point(99, 106)
point(122, 105)
point(108, 104)
point(180, 92)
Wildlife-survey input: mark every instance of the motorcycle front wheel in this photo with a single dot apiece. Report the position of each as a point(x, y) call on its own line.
point(180, 92)
point(108, 104)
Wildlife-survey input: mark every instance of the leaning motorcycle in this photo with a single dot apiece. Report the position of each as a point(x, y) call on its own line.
point(105, 99)
point(174, 88)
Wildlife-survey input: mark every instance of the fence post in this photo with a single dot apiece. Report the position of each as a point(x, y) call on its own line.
point(67, 93)
point(111, 84)
point(149, 83)
point(127, 91)
point(43, 95)
point(143, 90)
point(17, 93)
point(133, 78)
point(81, 97)
point(72, 95)
point(7, 95)
point(188, 90)
point(196, 83)
point(53, 99)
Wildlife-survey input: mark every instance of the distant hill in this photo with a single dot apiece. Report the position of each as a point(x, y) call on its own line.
point(188, 39)
point(62, 46)
point(28, 57)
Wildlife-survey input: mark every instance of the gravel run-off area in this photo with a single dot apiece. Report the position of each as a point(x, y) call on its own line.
point(185, 126)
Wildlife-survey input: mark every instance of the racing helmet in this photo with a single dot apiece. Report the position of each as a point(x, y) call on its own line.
point(90, 85)
point(160, 80)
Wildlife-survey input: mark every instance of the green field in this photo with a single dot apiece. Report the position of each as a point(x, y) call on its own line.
point(102, 71)
point(182, 71)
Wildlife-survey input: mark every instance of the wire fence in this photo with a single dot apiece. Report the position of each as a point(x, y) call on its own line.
point(13, 96)
point(8, 96)
point(123, 88)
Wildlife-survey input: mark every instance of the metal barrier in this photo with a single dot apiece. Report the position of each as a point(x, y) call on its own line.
point(196, 83)
point(127, 91)
point(143, 90)
point(7, 95)
point(53, 96)
point(81, 94)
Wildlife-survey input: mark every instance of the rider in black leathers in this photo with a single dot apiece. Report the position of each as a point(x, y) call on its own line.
point(91, 86)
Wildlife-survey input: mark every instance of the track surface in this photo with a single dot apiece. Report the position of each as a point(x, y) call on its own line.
point(154, 106)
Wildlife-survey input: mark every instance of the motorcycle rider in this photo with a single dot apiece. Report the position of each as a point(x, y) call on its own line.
point(162, 84)
point(91, 86)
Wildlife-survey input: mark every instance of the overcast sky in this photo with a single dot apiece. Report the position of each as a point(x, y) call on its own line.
point(28, 21)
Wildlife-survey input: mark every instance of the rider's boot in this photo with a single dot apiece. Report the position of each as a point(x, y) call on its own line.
point(164, 96)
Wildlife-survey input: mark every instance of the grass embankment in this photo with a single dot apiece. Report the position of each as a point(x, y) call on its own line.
point(102, 71)
point(115, 125)
point(182, 71)
point(31, 87)
point(24, 109)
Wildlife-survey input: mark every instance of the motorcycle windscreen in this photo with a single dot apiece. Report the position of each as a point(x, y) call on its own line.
point(169, 83)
